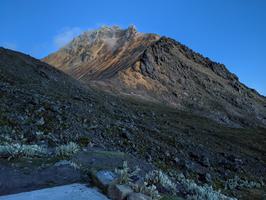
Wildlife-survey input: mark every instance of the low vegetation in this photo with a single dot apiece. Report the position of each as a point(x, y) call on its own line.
point(145, 188)
point(22, 150)
point(125, 174)
point(238, 183)
point(156, 178)
point(67, 149)
point(197, 192)
point(14, 150)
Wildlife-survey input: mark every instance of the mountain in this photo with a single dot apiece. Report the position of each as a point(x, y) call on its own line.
point(41, 108)
point(101, 54)
point(160, 69)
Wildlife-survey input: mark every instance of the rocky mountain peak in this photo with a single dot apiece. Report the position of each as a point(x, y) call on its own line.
point(99, 49)
point(131, 31)
point(160, 69)
point(105, 34)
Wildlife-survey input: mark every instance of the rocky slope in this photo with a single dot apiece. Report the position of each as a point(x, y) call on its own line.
point(160, 69)
point(40, 105)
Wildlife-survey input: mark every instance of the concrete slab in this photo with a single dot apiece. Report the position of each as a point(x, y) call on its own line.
point(66, 192)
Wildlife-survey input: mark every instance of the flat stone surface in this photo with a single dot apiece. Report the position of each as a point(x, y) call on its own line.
point(105, 178)
point(66, 192)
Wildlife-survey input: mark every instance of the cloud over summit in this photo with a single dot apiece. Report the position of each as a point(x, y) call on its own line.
point(66, 35)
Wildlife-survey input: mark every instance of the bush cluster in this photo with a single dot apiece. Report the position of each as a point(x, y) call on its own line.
point(66, 150)
point(22, 150)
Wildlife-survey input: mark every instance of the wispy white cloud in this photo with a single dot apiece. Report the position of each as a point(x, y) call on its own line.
point(66, 35)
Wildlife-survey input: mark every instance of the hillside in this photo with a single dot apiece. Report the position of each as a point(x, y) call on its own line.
point(159, 69)
point(40, 105)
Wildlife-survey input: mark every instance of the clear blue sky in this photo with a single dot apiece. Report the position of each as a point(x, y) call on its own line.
point(232, 32)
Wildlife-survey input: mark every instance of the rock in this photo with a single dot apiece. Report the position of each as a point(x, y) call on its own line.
point(177, 160)
point(126, 134)
point(208, 178)
point(55, 108)
point(148, 157)
point(167, 154)
point(62, 162)
point(119, 192)
point(138, 196)
point(41, 109)
point(206, 162)
point(104, 178)
point(40, 121)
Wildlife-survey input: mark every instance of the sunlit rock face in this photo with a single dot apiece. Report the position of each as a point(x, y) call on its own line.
point(102, 53)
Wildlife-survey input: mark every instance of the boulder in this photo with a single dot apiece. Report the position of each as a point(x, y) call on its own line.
point(104, 178)
point(138, 196)
point(118, 192)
